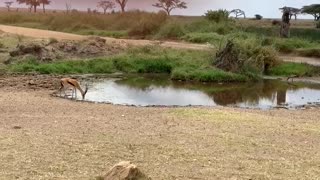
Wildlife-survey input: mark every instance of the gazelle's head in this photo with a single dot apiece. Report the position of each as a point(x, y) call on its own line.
point(85, 92)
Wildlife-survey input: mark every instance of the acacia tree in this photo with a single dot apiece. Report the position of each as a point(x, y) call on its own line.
point(238, 12)
point(68, 7)
point(105, 5)
point(169, 5)
point(8, 4)
point(32, 3)
point(313, 10)
point(44, 3)
point(122, 4)
point(293, 11)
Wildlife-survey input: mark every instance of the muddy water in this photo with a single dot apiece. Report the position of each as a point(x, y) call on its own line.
point(160, 91)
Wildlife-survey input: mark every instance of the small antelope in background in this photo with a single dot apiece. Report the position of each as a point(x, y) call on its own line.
point(74, 84)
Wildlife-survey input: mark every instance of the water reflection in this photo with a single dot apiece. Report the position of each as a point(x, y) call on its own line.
point(159, 90)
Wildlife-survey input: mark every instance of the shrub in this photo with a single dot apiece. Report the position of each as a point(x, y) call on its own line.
point(53, 40)
point(203, 37)
point(276, 22)
point(217, 16)
point(258, 17)
point(173, 30)
point(148, 25)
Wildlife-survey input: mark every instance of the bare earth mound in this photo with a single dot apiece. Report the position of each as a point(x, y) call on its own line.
point(42, 137)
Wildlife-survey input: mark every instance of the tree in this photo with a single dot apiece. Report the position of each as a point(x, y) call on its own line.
point(32, 3)
point(238, 12)
point(105, 5)
point(258, 17)
point(169, 5)
point(44, 3)
point(293, 11)
point(68, 7)
point(8, 4)
point(285, 25)
point(122, 3)
point(313, 10)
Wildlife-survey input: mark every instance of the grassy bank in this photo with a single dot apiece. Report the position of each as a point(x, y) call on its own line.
point(140, 60)
point(184, 65)
point(304, 39)
point(294, 69)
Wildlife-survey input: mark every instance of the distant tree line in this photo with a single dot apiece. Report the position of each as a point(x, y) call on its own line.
point(105, 5)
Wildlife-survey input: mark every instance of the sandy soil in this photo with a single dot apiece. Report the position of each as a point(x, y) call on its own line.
point(45, 34)
point(42, 137)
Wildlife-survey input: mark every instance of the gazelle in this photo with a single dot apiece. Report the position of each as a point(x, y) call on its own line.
point(74, 84)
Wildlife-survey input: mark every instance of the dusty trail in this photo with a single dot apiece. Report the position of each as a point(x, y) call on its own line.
point(45, 34)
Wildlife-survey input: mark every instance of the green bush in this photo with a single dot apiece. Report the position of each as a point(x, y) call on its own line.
point(148, 25)
point(172, 30)
point(203, 37)
point(217, 16)
point(258, 17)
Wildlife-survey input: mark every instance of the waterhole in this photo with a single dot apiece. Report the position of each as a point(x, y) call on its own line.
point(161, 91)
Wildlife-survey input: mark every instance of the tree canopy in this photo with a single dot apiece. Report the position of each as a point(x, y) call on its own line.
point(105, 5)
point(313, 10)
point(169, 5)
point(122, 3)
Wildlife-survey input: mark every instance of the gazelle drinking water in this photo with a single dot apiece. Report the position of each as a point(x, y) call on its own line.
point(74, 84)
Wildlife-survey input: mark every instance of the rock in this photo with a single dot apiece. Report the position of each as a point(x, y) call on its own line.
point(125, 170)
point(31, 82)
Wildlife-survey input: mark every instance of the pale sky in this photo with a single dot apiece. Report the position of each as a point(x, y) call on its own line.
point(267, 8)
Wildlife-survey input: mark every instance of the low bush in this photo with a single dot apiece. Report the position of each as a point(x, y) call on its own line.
point(203, 37)
point(148, 25)
point(258, 17)
point(217, 16)
point(172, 30)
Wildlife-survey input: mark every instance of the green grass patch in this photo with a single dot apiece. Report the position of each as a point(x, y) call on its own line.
point(186, 65)
point(290, 69)
point(203, 37)
point(206, 75)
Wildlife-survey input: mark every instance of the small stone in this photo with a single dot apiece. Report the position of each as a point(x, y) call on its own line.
point(123, 171)
point(31, 82)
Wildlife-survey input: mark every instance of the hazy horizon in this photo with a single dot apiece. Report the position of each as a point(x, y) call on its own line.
point(267, 8)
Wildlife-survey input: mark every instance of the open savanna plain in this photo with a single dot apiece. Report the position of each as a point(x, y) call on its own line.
point(44, 137)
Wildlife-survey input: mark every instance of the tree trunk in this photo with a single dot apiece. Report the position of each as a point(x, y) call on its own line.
point(168, 11)
point(105, 11)
point(43, 7)
point(123, 8)
point(34, 8)
point(285, 25)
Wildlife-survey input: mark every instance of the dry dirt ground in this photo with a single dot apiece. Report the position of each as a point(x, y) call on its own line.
point(43, 137)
